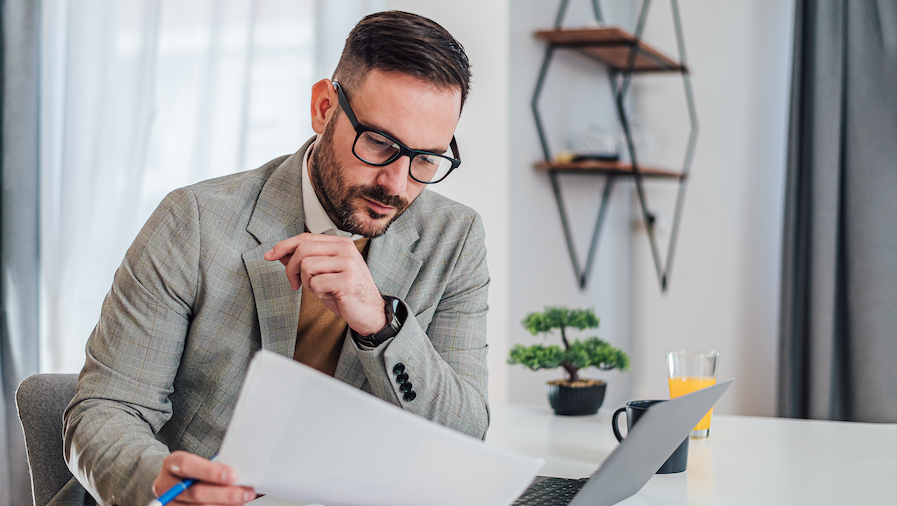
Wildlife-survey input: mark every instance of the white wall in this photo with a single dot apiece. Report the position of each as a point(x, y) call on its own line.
point(724, 289)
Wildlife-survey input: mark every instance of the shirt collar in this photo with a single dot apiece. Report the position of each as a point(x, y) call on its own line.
point(316, 219)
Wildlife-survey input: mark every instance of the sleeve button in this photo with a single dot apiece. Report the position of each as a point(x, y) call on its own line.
point(410, 396)
point(398, 369)
point(402, 378)
point(406, 387)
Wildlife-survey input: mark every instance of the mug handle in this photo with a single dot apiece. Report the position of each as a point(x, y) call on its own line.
point(613, 423)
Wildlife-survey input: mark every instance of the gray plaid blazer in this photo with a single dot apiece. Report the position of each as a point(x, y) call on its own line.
point(194, 299)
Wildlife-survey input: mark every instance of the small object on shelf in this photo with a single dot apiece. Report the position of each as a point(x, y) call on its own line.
point(571, 157)
point(565, 157)
point(623, 169)
point(601, 157)
point(597, 143)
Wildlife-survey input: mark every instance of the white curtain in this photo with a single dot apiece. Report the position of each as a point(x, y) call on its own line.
point(139, 97)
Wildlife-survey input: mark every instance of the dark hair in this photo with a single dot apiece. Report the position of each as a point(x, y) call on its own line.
point(403, 42)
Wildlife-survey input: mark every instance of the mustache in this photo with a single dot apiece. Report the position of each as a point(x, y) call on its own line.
point(378, 194)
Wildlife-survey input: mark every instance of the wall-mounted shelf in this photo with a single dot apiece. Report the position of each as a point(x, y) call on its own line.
point(606, 168)
point(623, 54)
point(610, 47)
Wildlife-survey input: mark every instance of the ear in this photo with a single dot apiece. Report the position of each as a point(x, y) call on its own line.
point(323, 103)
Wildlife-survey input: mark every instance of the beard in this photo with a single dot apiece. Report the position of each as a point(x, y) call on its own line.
point(344, 204)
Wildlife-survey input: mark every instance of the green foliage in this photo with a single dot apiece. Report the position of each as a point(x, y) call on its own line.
point(559, 317)
point(579, 354)
point(588, 352)
point(537, 356)
point(595, 352)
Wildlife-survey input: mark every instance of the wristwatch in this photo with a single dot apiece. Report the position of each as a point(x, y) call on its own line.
point(395, 317)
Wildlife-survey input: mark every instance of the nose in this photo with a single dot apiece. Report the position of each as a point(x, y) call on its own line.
point(394, 177)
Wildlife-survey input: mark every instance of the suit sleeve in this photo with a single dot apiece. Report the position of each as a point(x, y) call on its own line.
point(122, 397)
point(445, 360)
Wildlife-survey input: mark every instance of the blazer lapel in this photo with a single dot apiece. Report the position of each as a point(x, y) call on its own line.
point(278, 215)
point(392, 263)
point(394, 267)
point(275, 301)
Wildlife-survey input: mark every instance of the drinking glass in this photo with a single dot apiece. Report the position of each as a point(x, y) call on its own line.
point(689, 371)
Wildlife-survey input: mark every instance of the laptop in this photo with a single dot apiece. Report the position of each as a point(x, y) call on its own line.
point(626, 470)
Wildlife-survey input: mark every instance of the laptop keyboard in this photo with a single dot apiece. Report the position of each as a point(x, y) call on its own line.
point(551, 492)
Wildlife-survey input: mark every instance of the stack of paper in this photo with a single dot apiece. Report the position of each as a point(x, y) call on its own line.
point(300, 434)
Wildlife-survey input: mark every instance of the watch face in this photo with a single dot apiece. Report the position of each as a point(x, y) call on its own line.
point(395, 317)
point(392, 324)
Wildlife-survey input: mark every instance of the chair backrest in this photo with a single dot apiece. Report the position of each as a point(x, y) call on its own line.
point(41, 400)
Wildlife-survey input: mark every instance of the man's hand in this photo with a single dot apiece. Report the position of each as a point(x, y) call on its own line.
point(333, 269)
point(214, 482)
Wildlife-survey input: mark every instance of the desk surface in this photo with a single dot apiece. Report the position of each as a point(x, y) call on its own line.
point(746, 460)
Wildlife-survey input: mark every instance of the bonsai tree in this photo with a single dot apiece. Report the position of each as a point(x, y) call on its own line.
point(574, 355)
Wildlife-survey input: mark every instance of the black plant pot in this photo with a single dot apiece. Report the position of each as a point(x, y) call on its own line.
point(575, 401)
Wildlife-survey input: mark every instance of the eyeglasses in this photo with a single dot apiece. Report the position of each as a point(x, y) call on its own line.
point(379, 149)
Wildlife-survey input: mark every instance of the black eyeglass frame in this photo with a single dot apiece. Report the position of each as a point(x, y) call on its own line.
point(403, 149)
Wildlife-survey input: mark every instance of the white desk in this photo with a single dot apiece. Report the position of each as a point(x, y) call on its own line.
point(746, 460)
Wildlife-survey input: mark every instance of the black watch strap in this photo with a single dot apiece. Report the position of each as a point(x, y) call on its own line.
point(395, 317)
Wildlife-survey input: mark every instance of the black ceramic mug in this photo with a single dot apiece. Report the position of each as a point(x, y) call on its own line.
point(677, 462)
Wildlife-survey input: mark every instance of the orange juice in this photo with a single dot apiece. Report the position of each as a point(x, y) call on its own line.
point(682, 385)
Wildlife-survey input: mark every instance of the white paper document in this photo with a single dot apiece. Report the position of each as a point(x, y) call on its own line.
point(300, 434)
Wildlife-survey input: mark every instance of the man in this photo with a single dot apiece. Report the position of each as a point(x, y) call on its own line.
point(387, 292)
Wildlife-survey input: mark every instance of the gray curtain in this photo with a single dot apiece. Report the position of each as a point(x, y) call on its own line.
point(838, 336)
point(20, 113)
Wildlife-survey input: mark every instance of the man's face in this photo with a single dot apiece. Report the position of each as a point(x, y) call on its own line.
point(363, 199)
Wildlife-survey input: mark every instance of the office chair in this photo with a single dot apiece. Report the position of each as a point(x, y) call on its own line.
point(41, 400)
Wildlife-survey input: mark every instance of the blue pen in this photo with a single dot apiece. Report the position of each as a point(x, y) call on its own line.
point(174, 491)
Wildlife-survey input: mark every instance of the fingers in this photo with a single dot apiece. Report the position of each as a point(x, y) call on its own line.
point(335, 271)
point(202, 493)
point(285, 260)
point(285, 247)
point(314, 257)
point(184, 465)
point(359, 303)
point(214, 485)
point(291, 252)
point(311, 267)
point(328, 285)
point(288, 246)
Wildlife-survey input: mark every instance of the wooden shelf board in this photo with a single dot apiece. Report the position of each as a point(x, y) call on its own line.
point(610, 47)
point(607, 168)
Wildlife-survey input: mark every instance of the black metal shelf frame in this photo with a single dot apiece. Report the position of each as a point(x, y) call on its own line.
point(620, 81)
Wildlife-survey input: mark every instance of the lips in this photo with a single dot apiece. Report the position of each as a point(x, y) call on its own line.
point(377, 207)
